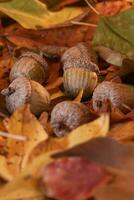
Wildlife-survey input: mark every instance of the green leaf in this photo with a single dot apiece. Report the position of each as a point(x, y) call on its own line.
point(116, 34)
point(33, 14)
point(123, 25)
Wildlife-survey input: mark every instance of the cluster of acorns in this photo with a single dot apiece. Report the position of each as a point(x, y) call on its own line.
point(80, 71)
point(26, 77)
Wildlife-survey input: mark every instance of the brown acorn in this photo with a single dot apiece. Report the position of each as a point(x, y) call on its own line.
point(32, 66)
point(119, 95)
point(22, 91)
point(67, 116)
point(80, 55)
point(75, 79)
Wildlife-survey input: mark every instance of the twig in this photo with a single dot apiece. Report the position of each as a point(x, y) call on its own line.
point(89, 4)
point(84, 24)
point(13, 136)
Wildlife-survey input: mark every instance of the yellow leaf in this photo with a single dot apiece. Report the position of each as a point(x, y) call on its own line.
point(24, 123)
point(4, 171)
point(33, 13)
point(51, 144)
point(96, 128)
point(25, 185)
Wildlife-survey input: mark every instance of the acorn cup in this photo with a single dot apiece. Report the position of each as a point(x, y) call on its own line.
point(80, 55)
point(22, 91)
point(32, 66)
point(67, 116)
point(119, 95)
point(75, 79)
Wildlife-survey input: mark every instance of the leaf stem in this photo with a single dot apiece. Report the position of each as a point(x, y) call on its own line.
point(84, 24)
point(89, 4)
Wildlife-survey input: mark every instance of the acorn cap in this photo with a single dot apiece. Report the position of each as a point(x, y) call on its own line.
point(67, 116)
point(22, 91)
point(32, 66)
point(116, 93)
point(36, 57)
point(75, 79)
point(80, 55)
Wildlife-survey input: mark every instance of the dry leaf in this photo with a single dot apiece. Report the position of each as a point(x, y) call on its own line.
point(120, 188)
point(122, 131)
point(96, 128)
point(23, 122)
point(4, 171)
point(104, 151)
point(34, 14)
point(51, 144)
point(25, 185)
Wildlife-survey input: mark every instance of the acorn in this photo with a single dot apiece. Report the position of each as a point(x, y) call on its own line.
point(80, 55)
point(22, 91)
point(75, 79)
point(67, 116)
point(32, 66)
point(119, 95)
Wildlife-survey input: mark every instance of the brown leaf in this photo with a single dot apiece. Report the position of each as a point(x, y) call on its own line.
point(122, 131)
point(63, 36)
point(104, 151)
point(121, 187)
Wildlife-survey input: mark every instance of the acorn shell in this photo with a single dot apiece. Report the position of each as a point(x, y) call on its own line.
point(22, 91)
point(118, 95)
point(75, 79)
point(32, 66)
point(40, 98)
point(80, 55)
point(67, 116)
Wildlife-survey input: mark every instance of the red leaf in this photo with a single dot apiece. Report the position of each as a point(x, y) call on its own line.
point(72, 178)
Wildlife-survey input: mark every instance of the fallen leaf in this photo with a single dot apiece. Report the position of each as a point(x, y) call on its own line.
point(109, 8)
point(88, 131)
point(51, 144)
point(96, 128)
point(122, 131)
point(116, 43)
point(69, 35)
point(24, 123)
point(25, 185)
point(72, 178)
point(34, 14)
point(104, 151)
point(4, 171)
point(121, 187)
